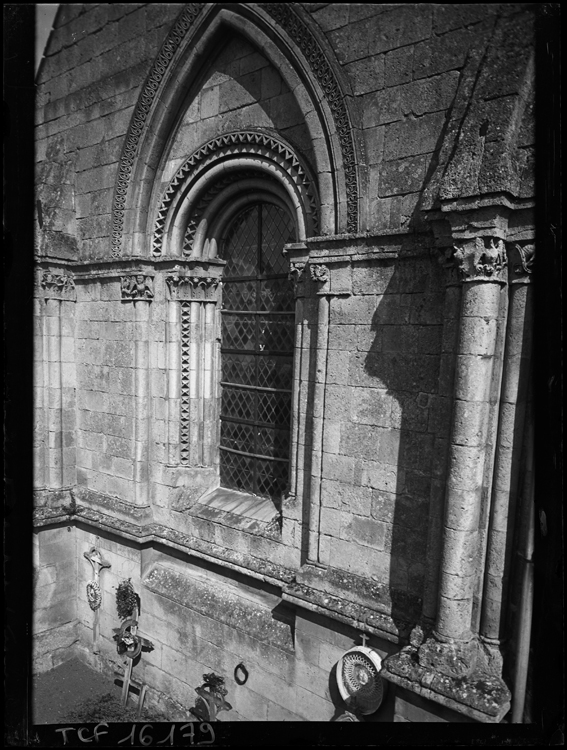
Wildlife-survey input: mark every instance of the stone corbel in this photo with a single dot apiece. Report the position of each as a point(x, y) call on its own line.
point(137, 286)
point(57, 285)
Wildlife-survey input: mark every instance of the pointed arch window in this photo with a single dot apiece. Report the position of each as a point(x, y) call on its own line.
point(257, 343)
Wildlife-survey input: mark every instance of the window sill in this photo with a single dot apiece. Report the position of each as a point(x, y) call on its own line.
point(239, 510)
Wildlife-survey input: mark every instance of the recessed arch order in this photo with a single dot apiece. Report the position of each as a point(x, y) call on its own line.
point(288, 38)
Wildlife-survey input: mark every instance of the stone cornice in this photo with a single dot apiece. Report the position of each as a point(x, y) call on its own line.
point(88, 270)
point(327, 596)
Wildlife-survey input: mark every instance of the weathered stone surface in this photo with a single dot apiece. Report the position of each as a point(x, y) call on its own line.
point(374, 402)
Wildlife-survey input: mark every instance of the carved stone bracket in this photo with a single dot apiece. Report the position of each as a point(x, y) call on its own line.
point(183, 287)
point(57, 285)
point(137, 287)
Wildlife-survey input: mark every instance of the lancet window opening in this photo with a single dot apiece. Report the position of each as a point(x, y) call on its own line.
point(257, 342)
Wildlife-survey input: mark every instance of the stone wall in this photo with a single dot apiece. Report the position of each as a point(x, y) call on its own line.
point(377, 333)
point(202, 619)
point(56, 588)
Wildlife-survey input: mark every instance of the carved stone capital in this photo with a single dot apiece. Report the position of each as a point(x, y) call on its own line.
point(185, 287)
point(137, 286)
point(319, 273)
point(57, 285)
point(521, 262)
point(479, 259)
point(297, 277)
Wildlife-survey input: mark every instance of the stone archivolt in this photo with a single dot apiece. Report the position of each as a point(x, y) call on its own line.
point(270, 149)
point(316, 60)
point(288, 19)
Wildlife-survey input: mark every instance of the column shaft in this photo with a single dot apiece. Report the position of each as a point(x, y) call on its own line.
point(142, 401)
point(321, 352)
point(507, 463)
point(470, 424)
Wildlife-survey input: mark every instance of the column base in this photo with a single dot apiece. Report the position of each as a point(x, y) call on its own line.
point(456, 676)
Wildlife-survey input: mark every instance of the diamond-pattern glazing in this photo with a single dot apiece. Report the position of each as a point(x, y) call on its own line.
point(240, 437)
point(257, 352)
point(239, 368)
point(238, 331)
point(236, 471)
point(276, 333)
point(239, 295)
point(238, 403)
point(274, 295)
point(277, 230)
point(275, 372)
point(240, 247)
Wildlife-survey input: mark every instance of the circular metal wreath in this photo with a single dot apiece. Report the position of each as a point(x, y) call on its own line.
point(131, 644)
point(240, 674)
point(359, 681)
point(94, 595)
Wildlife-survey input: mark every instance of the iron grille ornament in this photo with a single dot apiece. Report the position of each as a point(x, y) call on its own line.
point(257, 352)
point(359, 681)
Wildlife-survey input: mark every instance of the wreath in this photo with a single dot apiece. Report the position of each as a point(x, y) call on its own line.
point(126, 599)
point(94, 595)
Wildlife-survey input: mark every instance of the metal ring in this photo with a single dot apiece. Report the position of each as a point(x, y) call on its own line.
point(240, 668)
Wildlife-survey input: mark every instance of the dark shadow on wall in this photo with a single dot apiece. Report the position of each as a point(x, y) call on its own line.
point(405, 360)
point(414, 379)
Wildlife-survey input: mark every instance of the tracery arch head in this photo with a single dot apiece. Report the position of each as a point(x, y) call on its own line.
point(217, 178)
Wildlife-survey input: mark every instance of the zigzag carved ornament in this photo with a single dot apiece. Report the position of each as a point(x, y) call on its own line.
point(298, 31)
point(138, 123)
point(229, 145)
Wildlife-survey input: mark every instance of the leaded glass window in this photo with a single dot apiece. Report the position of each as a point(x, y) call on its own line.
point(257, 352)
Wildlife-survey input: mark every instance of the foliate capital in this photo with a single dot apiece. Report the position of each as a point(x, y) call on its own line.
point(186, 287)
point(477, 259)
